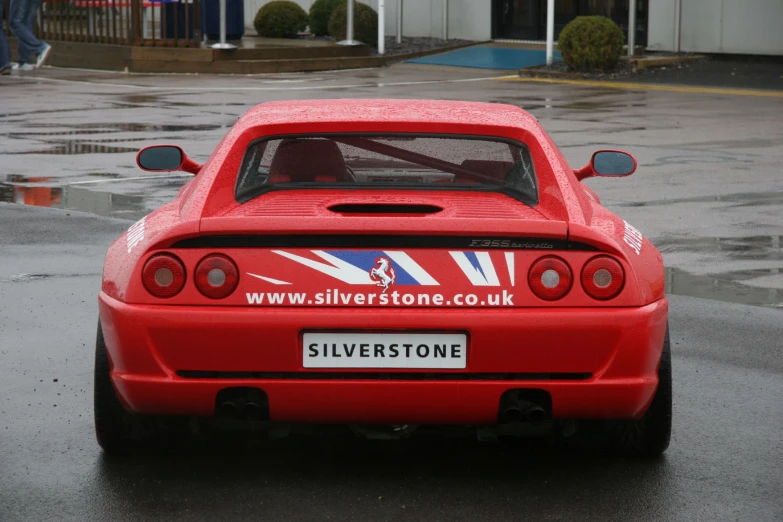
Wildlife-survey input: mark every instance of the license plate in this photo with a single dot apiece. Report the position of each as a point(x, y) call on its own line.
point(385, 350)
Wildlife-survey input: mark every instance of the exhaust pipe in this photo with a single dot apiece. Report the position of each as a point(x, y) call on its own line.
point(512, 414)
point(242, 403)
point(535, 413)
point(228, 409)
point(251, 410)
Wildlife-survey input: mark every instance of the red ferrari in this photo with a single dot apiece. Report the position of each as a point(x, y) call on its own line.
point(388, 265)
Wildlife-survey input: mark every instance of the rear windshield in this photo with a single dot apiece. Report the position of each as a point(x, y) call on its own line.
point(391, 161)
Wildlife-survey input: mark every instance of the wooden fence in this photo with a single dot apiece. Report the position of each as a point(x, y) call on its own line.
point(158, 23)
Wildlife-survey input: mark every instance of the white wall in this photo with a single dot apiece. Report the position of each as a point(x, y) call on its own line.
point(660, 27)
point(718, 26)
point(468, 19)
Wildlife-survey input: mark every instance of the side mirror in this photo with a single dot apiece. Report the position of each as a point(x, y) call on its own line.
point(166, 158)
point(611, 163)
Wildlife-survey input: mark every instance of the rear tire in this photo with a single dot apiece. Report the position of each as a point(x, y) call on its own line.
point(650, 435)
point(116, 429)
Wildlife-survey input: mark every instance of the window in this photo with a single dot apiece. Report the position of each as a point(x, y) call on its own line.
point(396, 161)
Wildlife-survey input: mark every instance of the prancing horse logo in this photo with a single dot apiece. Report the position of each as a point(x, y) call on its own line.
point(383, 274)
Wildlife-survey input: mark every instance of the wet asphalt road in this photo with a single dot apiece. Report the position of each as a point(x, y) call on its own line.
point(708, 193)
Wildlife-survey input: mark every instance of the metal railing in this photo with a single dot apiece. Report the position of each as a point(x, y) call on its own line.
point(158, 23)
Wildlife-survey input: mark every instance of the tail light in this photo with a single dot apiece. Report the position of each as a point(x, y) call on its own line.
point(216, 276)
point(163, 275)
point(602, 277)
point(550, 278)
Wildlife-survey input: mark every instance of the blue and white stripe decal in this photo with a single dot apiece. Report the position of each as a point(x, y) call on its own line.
point(408, 271)
point(353, 267)
point(510, 266)
point(339, 269)
point(477, 267)
point(407, 265)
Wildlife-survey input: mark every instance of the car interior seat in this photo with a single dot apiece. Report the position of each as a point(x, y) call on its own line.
point(308, 160)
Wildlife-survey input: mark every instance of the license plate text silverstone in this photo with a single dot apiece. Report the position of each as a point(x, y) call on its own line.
point(385, 350)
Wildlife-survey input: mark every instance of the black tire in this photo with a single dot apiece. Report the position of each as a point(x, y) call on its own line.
point(648, 436)
point(117, 430)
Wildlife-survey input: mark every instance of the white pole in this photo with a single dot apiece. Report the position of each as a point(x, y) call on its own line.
point(445, 19)
point(349, 29)
point(677, 18)
point(399, 21)
point(349, 33)
point(550, 30)
point(223, 44)
point(381, 27)
point(631, 27)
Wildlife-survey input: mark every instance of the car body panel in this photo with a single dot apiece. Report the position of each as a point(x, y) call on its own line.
point(618, 347)
point(534, 343)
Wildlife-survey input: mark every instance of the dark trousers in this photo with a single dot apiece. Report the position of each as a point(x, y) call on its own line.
point(21, 20)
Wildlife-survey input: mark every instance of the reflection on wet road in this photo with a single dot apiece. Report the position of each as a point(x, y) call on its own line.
point(726, 287)
point(80, 196)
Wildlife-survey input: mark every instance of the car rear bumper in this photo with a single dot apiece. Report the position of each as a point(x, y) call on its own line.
point(593, 362)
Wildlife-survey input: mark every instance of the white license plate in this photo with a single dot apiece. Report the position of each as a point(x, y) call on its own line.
point(385, 350)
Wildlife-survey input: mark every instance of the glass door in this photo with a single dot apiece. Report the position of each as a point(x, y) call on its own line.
point(519, 19)
point(526, 19)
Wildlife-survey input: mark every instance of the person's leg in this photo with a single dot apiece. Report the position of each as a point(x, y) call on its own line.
point(17, 18)
point(32, 13)
point(43, 49)
point(5, 59)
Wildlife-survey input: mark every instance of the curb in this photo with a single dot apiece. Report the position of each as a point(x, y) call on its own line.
point(648, 62)
point(148, 59)
point(640, 63)
point(388, 60)
point(536, 72)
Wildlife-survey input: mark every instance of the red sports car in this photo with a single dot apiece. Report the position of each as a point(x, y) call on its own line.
point(388, 265)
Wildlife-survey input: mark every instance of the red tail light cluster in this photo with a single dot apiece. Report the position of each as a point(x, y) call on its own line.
point(216, 276)
point(602, 277)
point(550, 278)
point(163, 275)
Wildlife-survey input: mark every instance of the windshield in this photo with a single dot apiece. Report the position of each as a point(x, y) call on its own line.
point(392, 161)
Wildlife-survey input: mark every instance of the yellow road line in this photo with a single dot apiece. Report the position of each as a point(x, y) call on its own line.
point(651, 87)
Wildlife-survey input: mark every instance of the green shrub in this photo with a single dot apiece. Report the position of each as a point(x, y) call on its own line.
point(320, 13)
point(591, 43)
point(365, 23)
point(280, 19)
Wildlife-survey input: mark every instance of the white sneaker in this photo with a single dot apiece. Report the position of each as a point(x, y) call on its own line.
point(43, 55)
point(23, 67)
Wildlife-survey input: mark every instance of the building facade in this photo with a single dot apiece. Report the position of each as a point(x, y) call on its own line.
point(717, 26)
point(711, 26)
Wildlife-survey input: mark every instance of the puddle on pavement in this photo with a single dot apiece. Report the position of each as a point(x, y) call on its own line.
point(25, 277)
point(102, 128)
point(741, 200)
point(756, 248)
point(70, 148)
point(725, 287)
point(74, 198)
point(733, 286)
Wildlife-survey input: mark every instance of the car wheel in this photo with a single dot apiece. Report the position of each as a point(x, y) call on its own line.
point(645, 437)
point(117, 430)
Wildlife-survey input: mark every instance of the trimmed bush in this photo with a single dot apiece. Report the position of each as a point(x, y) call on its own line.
point(280, 19)
point(365, 23)
point(320, 13)
point(591, 44)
